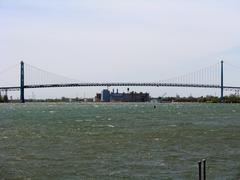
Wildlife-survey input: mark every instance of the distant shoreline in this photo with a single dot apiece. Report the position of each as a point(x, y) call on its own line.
point(190, 99)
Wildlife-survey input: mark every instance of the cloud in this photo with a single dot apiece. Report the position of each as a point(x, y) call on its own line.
point(127, 40)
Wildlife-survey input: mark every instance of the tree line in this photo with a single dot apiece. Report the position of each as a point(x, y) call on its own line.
point(3, 98)
point(203, 99)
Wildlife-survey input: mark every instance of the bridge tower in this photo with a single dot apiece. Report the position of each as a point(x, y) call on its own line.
point(22, 100)
point(222, 98)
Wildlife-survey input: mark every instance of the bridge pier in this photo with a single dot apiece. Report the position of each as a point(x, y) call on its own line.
point(222, 97)
point(22, 100)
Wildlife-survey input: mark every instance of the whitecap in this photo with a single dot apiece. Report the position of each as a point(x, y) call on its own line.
point(162, 164)
point(173, 125)
point(78, 120)
point(109, 125)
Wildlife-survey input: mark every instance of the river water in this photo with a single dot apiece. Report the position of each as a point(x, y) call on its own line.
point(118, 141)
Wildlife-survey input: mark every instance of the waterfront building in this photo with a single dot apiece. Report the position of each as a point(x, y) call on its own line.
point(105, 95)
point(98, 97)
point(129, 97)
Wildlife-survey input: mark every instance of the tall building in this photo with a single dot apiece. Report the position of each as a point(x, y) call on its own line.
point(105, 95)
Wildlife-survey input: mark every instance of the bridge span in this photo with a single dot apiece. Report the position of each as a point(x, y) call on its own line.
point(17, 88)
point(191, 81)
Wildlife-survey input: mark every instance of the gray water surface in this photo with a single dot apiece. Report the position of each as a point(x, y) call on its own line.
point(118, 141)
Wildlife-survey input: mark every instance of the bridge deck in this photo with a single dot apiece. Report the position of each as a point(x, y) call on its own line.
point(118, 84)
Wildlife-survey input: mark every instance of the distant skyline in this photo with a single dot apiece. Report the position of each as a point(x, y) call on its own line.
point(127, 40)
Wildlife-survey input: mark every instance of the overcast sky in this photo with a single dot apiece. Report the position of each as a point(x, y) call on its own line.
point(120, 40)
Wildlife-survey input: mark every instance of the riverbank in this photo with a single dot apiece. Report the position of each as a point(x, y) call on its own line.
point(118, 140)
point(206, 99)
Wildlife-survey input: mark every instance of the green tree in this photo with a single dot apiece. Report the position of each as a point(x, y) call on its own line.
point(5, 98)
point(1, 99)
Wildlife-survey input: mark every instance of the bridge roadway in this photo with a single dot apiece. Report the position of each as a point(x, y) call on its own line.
point(17, 88)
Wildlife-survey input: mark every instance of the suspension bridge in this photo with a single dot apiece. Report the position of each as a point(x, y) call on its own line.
point(210, 77)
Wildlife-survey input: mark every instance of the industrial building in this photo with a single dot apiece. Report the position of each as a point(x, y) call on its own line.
point(106, 96)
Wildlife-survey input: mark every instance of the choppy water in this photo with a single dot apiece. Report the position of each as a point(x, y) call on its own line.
point(118, 141)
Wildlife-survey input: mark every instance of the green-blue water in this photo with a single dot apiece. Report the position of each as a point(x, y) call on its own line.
point(118, 141)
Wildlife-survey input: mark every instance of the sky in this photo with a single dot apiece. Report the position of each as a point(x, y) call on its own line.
point(120, 41)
